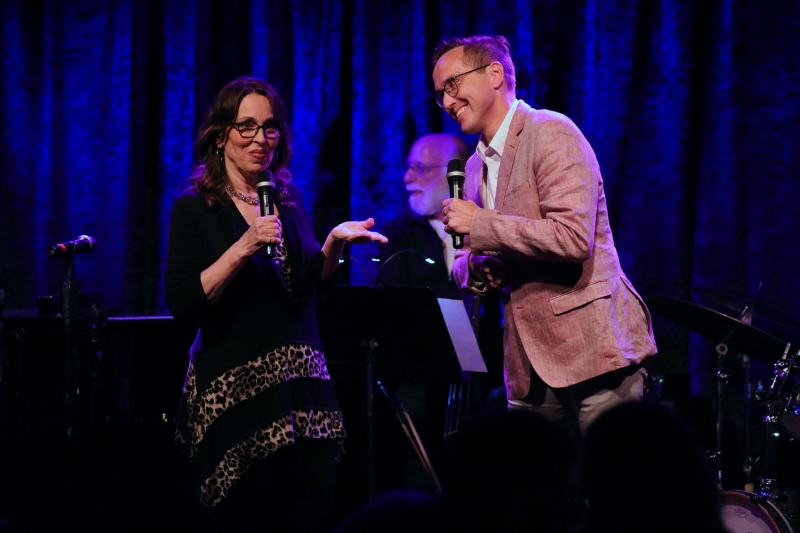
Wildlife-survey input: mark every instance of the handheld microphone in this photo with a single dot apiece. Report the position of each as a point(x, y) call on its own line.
point(265, 186)
point(81, 245)
point(455, 179)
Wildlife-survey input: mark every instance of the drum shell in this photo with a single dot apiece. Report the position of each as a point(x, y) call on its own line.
point(747, 512)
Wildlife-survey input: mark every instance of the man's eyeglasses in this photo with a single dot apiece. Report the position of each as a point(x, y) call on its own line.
point(451, 86)
point(249, 129)
point(422, 169)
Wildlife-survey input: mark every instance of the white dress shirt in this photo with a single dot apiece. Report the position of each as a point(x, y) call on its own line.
point(448, 251)
point(491, 155)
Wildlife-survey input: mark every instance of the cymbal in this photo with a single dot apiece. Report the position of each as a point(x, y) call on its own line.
point(770, 317)
point(716, 326)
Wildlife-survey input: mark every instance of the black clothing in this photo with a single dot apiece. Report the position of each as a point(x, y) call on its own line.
point(412, 239)
point(256, 300)
point(257, 378)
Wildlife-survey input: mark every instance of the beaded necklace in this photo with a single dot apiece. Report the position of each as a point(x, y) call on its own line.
point(252, 200)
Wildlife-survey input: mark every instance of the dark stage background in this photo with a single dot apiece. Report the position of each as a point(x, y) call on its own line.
point(693, 109)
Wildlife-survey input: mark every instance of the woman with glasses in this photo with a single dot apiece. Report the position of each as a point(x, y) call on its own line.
point(260, 418)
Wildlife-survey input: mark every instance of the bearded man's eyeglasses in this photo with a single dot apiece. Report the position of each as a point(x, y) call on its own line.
point(422, 169)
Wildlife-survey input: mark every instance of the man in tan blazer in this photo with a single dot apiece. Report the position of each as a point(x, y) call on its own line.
point(536, 226)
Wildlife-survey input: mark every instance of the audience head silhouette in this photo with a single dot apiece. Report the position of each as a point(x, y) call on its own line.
point(511, 471)
point(642, 471)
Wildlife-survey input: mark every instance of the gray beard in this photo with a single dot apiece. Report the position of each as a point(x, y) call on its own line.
point(424, 205)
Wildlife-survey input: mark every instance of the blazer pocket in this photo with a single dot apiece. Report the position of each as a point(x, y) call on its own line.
point(581, 296)
point(519, 188)
point(517, 200)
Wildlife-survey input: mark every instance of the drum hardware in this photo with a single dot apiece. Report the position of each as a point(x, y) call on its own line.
point(747, 317)
point(768, 486)
point(747, 468)
point(790, 419)
point(736, 334)
point(739, 335)
point(782, 400)
point(773, 319)
point(777, 401)
point(749, 462)
point(780, 376)
point(722, 380)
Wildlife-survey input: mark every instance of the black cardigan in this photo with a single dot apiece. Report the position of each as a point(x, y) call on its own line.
point(255, 313)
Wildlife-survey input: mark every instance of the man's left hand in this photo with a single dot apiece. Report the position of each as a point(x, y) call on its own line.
point(458, 215)
point(490, 270)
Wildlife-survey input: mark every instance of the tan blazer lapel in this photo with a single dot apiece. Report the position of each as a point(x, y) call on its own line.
point(509, 152)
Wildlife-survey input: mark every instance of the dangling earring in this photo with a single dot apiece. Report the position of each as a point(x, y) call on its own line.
point(220, 154)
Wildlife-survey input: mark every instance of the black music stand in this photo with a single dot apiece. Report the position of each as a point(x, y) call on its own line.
point(394, 332)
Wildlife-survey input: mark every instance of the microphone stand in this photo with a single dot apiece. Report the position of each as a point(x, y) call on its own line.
point(69, 297)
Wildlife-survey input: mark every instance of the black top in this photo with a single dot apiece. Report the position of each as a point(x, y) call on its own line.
point(256, 313)
point(412, 239)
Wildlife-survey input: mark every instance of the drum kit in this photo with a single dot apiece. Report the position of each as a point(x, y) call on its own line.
point(765, 508)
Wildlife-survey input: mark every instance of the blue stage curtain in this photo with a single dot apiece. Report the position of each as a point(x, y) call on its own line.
point(693, 109)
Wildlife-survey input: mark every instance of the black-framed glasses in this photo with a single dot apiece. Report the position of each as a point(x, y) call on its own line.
point(249, 129)
point(422, 169)
point(451, 86)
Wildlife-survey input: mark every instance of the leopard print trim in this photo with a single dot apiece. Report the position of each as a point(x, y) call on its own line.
point(311, 424)
point(282, 262)
point(246, 381)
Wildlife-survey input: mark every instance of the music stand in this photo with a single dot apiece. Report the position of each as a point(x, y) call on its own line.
point(395, 332)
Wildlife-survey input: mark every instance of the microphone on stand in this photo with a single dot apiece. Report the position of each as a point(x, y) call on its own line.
point(81, 245)
point(265, 187)
point(455, 179)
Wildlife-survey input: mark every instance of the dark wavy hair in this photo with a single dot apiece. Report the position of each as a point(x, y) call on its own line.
point(480, 50)
point(209, 177)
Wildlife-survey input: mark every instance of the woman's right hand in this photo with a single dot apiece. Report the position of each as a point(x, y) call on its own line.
point(264, 230)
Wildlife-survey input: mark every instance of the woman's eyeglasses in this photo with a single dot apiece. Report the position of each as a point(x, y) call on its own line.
point(249, 129)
